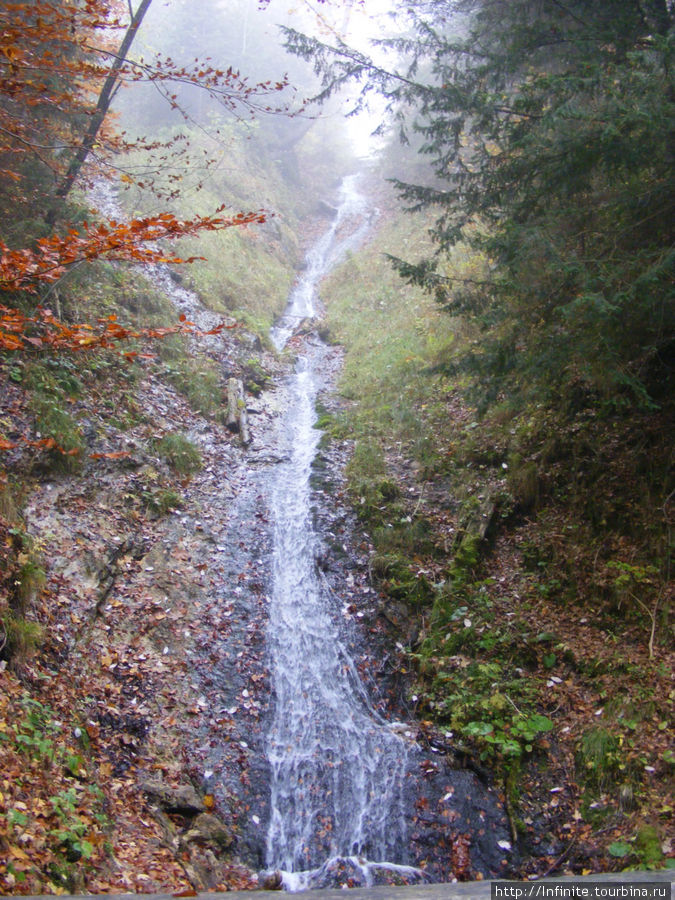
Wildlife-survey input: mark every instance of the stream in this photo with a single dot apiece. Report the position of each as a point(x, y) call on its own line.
point(355, 799)
point(325, 788)
point(337, 768)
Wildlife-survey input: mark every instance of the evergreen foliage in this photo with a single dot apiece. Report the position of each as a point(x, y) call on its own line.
point(549, 126)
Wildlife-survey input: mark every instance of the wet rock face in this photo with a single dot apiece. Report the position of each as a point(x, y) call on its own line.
point(458, 829)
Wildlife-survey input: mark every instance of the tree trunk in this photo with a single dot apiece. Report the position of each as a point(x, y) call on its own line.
point(103, 104)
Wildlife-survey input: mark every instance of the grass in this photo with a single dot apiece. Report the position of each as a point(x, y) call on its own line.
point(599, 756)
point(395, 335)
point(179, 452)
point(194, 374)
point(30, 578)
point(246, 272)
point(404, 423)
point(401, 417)
point(161, 502)
point(240, 276)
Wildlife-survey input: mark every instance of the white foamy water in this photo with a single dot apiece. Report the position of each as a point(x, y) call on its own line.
point(323, 256)
point(337, 767)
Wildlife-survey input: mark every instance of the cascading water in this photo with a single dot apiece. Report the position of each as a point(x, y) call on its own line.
point(323, 256)
point(339, 787)
point(337, 768)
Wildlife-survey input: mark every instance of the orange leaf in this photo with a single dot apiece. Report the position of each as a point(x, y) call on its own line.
point(120, 454)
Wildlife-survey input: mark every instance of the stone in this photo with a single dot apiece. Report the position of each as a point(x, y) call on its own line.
point(210, 830)
point(271, 881)
point(182, 799)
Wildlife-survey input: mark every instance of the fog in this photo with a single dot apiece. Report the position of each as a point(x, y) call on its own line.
point(241, 36)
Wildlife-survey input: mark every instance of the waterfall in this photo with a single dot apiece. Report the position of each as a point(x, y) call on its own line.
point(337, 767)
point(336, 800)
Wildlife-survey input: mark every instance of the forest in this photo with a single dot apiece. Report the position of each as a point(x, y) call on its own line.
point(477, 198)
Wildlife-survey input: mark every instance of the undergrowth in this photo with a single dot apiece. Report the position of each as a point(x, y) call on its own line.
point(498, 530)
point(66, 814)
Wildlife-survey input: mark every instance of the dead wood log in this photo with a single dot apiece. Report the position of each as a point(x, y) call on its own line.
point(236, 417)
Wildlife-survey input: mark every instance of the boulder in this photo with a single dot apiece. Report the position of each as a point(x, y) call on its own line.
point(182, 799)
point(209, 829)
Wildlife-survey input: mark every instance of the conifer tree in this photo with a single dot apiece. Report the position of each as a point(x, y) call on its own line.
point(549, 126)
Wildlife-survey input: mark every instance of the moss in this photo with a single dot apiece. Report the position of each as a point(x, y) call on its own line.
point(396, 578)
point(256, 378)
point(648, 845)
point(467, 554)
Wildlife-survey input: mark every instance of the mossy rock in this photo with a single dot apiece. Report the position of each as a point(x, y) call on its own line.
point(648, 845)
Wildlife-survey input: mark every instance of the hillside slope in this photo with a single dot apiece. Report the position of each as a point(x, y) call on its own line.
point(523, 561)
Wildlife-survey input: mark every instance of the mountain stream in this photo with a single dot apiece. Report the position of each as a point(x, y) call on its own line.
point(324, 788)
point(337, 768)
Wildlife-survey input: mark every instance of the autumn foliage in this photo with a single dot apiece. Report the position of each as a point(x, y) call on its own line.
point(25, 269)
point(61, 64)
